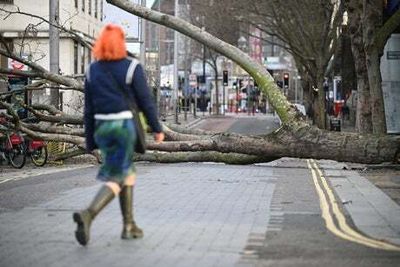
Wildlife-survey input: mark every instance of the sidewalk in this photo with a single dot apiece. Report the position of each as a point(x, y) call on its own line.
point(384, 176)
point(186, 121)
point(372, 210)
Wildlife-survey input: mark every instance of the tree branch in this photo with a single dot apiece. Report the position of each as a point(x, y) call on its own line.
point(56, 78)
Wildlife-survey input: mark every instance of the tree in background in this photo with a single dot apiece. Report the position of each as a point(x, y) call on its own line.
point(212, 17)
point(369, 32)
point(308, 30)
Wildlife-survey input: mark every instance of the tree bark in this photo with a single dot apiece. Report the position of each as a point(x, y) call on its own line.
point(376, 94)
point(372, 21)
point(363, 112)
point(301, 142)
point(205, 156)
point(321, 123)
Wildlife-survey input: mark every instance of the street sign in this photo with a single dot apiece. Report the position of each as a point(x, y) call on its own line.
point(16, 65)
point(393, 55)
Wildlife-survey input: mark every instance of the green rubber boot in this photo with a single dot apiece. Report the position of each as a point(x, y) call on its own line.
point(84, 218)
point(129, 230)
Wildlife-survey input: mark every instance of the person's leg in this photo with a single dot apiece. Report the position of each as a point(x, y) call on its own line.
point(84, 218)
point(129, 230)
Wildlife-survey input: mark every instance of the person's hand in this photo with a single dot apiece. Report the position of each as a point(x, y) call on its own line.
point(159, 137)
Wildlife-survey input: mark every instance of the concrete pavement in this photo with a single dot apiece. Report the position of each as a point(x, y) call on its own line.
point(195, 215)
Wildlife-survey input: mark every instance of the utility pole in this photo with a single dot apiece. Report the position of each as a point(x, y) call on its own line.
point(204, 63)
point(161, 106)
point(143, 38)
point(186, 82)
point(54, 48)
point(196, 87)
point(176, 84)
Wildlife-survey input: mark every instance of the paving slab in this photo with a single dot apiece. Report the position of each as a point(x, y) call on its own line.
point(191, 214)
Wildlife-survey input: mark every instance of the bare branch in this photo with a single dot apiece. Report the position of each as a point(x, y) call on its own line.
point(44, 73)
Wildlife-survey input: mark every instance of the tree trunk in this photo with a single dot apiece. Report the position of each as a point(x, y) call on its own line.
point(205, 156)
point(321, 123)
point(372, 21)
point(376, 94)
point(363, 112)
point(299, 141)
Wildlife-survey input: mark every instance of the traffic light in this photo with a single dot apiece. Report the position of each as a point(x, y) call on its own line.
point(286, 80)
point(225, 77)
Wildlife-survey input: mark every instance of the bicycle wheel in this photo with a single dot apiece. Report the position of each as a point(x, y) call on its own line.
point(17, 156)
point(39, 156)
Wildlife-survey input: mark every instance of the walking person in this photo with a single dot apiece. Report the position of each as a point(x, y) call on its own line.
point(109, 127)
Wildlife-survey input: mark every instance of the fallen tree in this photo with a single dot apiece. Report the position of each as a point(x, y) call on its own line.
point(296, 137)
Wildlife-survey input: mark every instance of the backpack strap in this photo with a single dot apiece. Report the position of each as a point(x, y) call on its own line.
point(131, 71)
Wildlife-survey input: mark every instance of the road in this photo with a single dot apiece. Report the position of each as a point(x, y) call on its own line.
point(192, 214)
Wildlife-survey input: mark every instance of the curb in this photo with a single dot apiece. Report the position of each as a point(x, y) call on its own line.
point(194, 123)
point(372, 211)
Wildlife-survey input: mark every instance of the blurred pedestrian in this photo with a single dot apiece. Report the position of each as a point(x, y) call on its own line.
point(109, 127)
point(346, 111)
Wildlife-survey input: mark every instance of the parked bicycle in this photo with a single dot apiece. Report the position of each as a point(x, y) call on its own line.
point(37, 151)
point(12, 148)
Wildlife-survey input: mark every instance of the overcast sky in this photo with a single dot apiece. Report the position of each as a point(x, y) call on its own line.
point(129, 22)
point(126, 20)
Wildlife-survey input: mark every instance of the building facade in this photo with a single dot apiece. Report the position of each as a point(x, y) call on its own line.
point(29, 37)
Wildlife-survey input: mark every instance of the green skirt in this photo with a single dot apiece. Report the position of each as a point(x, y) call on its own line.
point(115, 139)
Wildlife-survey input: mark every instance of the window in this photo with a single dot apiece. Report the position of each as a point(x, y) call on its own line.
point(83, 5)
point(6, 1)
point(83, 62)
point(90, 7)
point(95, 8)
point(75, 57)
point(76, 3)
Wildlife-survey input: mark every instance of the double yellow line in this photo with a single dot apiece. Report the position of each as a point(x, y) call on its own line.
point(330, 210)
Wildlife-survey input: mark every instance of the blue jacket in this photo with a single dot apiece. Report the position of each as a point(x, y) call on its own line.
point(102, 98)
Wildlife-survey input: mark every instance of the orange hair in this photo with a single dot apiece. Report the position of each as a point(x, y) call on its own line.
point(110, 45)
